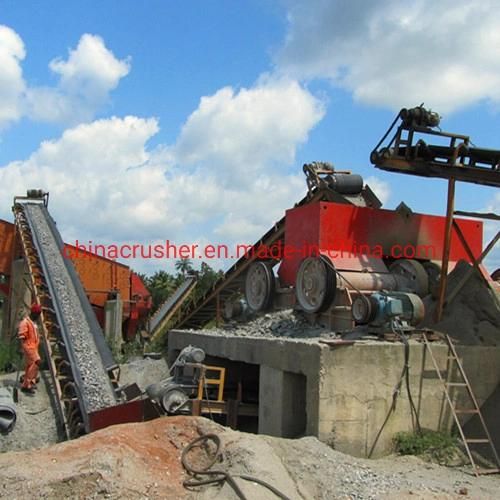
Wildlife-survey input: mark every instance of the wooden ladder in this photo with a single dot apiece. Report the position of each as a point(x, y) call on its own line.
point(464, 382)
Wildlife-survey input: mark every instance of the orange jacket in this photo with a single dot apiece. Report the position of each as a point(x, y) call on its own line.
point(28, 333)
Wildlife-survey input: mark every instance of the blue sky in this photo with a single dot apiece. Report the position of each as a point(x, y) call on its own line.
point(191, 120)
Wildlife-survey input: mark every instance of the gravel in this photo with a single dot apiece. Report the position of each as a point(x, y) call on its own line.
point(473, 316)
point(286, 323)
point(96, 387)
point(36, 421)
point(143, 371)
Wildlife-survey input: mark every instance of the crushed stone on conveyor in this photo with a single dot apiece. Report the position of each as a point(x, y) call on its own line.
point(96, 390)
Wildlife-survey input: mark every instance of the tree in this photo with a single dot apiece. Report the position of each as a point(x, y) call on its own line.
point(206, 279)
point(184, 266)
point(161, 285)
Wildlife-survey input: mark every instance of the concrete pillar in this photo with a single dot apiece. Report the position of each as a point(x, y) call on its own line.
point(113, 315)
point(19, 301)
point(282, 403)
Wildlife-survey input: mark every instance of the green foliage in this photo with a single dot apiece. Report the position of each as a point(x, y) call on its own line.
point(184, 266)
point(206, 280)
point(432, 445)
point(161, 285)
point(9, 356)
point(128, 351)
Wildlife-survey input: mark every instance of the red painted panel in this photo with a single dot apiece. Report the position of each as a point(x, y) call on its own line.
point(132, 411)
point(7, 231)
point(358, 237)
point(301, 231)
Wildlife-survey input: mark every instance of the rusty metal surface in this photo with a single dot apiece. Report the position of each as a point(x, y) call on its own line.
point(131, 411)
point(7, 231)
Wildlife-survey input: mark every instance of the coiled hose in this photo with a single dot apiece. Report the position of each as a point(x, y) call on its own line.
point(217, 476)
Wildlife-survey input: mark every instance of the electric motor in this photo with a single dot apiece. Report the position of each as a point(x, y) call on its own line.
point(379, 308)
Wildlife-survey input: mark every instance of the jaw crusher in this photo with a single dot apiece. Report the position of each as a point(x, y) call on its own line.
point(344, 247)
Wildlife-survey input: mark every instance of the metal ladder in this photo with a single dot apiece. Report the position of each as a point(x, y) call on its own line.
point(453, 358)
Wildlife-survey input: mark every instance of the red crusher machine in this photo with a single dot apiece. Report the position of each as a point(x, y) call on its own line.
point(341, 250)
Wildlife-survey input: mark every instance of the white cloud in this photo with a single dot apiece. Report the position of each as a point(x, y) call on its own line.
point(98, 176)
point(12, 83)
point(394, 54)
point(108, 186)
point(246, 131)
point(90, 68)
point(381, 188)
point(87, 77)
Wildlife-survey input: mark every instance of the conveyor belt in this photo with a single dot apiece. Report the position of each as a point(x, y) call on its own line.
point(79, 359)
point(205, 309)
point(170, 306)
point(406, 152)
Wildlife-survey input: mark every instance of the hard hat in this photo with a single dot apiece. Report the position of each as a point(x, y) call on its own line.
point(36, 308)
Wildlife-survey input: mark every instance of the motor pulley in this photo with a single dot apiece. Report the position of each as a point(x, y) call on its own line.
point(380, 308)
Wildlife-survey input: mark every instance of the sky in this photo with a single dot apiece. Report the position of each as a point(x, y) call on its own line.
point(190, 121)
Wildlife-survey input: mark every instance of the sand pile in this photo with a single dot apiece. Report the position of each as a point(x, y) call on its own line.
point(144, 461)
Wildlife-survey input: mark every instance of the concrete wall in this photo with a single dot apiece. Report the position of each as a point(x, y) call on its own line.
point(357, 387)
point(282, 403)
point(113, 313)
point(348, 390)
point(292, 356)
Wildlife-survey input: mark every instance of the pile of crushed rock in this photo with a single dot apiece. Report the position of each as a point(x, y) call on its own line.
point(286, 323)
point(472, 317)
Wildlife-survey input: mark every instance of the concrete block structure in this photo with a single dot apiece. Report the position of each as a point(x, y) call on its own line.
point(344, 395)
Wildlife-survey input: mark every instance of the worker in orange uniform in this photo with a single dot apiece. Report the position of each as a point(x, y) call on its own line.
point(30, 340)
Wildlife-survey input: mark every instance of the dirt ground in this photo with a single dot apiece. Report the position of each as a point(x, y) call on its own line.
point(143, 461)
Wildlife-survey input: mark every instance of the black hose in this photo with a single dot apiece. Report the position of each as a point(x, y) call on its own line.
point(217, 476)
point(413, 408)
point(405, 375)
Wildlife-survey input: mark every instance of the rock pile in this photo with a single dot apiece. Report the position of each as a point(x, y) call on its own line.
point(286, 323)
point(472, 317)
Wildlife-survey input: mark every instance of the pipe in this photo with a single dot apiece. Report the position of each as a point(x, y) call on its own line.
point(8, 414)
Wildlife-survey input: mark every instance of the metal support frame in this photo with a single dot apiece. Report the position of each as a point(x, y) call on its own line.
point(446, 248)
point(475, 265)
point(457, 161)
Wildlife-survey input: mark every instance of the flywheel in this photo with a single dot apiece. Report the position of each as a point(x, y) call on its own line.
point(315, 285)
point(259, 286)
point(411, 275)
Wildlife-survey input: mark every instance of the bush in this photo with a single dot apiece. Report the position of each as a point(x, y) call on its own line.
point(128, 351)
point(432, 445)
point(10, 358)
